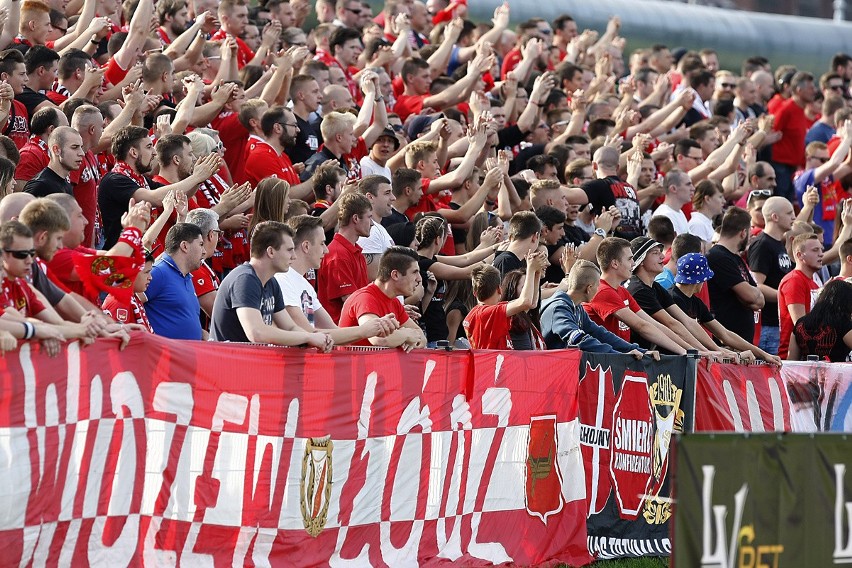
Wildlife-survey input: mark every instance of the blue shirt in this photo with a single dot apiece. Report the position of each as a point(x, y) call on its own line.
point(172, 306)
point(819, 132)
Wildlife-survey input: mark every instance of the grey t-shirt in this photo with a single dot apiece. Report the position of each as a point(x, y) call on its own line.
point(242, 289)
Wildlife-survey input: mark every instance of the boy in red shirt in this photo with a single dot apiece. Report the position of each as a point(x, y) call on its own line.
point(487, 324)
point(798, 291)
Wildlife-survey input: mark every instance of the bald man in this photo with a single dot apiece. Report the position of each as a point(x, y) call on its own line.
point(65, 147)
point(12, 205)
point(336, 98)
point(769, 262)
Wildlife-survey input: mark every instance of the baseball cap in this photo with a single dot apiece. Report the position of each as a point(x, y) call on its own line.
point(692, 268)
point(420, 123)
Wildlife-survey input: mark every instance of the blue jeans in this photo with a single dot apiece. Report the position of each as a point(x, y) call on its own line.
point(770, 337)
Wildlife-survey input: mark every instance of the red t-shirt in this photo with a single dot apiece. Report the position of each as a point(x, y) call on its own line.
point(343, 270)
point(234, 137)
point(606, 303)
point(85, 184)
point(244, 52)
point(132, 312)
point(790, 119)
point(17, 126)
point(370, 300)
point(62, 266)
point(487, 327)
point(510, 62)
point(263, 161)
point(795, 288)
point(34, 158)
point(430, 202)
point(406, 105)
point(17, 294)
point(204, 280)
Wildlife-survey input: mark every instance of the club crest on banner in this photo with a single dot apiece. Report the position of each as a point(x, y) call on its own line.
point(544, 480)
point(315, 484)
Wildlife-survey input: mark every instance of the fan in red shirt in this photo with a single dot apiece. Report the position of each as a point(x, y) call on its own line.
point(18, 256)
point(237, 121)
point(134, 310)
point(614, 308)
point(14, 72)
point(266, 157)
point(345, 45)
point(417, 78)
point(131, 48)
point(488, 324)
point(798, 291)
point(788, 154)
point(233, 14)
point(399, 275)
point(344, 268)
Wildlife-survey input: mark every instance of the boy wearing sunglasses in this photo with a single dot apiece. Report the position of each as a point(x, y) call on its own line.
point(18, 255)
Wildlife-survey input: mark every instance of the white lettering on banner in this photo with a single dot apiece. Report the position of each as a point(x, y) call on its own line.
point(606, 547)
point(719, 554)
point(124, 393)
point(595, 437)
point(226, 474)
point(842, 546)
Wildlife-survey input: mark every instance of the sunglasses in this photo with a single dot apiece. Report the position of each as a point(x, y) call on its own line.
point(21, 254)
point(729, 85)
point(760, 193)
point(356, 12)
point(820, 158)
point(836, 87)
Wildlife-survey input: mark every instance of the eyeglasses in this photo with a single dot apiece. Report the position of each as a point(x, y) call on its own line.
point(21, 254)
point(219, 146)
point(696, 158)
point(217, 231)
point(729, 85)
point(293, 124)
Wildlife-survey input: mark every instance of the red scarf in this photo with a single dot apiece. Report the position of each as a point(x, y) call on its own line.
point(124, 169)
point(139, 312)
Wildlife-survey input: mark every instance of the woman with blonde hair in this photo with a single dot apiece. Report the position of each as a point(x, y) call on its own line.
point(271, 202)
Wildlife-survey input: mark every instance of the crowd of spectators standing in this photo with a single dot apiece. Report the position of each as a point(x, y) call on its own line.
point(411, 179)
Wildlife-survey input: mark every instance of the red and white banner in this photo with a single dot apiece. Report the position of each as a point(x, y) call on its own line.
point(209, 454)
point(741, 398)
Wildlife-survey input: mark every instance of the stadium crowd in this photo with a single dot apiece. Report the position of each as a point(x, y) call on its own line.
point(213, 170)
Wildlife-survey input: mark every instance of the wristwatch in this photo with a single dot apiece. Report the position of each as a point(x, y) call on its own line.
point(600, 232)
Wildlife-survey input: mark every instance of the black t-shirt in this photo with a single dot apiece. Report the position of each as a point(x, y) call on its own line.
point(43, 284)
point(510, 136)
point(48, 182)
point(434, 319)
point(31, 99)
point(114, 193)
point(461, 307)
point(729, 270)
point(554, 272)
point(506, 261)
point(606, 192)
point(242, 288)
point(394, 218)
point(459, 234)
point(769, 256)
point(307, 142)
point(575, 235)
point(692, 306)
point(651, 299)
point(816, 338)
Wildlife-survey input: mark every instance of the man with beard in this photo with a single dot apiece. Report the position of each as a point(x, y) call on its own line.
point(173, 17)
point(171, 303)
point(66, 155)
point(266, 156)
point(734, 295)
point(134, 152)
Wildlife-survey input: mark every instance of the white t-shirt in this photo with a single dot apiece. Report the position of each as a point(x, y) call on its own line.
point(298, 292)
point(678, 218)
point(701, 226)
point(370, 168)
point(378, 241)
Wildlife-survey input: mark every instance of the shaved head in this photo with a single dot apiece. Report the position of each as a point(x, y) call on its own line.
point(12, 205)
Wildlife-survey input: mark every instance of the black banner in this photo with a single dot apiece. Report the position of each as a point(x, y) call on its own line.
point(629, 410)
point(762, 500)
